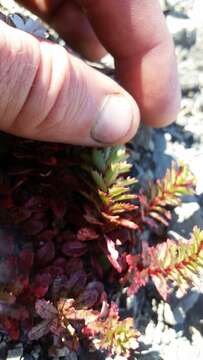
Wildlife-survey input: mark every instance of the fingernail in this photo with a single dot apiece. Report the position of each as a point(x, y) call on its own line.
point(114, 120)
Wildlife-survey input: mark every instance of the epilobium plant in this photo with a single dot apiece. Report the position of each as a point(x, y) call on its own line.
point(71, 226)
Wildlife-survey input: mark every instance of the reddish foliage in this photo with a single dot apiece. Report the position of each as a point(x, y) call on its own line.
point(67, 235)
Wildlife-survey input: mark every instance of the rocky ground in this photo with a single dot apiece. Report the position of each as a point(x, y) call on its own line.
point(175, 331)
point(172, 331)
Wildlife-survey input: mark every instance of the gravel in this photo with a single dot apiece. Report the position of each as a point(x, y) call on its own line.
point(175, 331)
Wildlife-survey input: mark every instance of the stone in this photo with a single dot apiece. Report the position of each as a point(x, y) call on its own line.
point(36, 351)
point(198, 106)
point(108, 61)
point(64, 353)
point(201, 79)
point(71, 356)
point(197, 12)
point(117, 358)
point(160, 158)
point(3, 350)
point(163, 5)
point(169, 316)
point(185, 217)
point(189, 76)
point(160, 142)
point(197, 341)
point(11, 6)
point(175, 313)
point(149, 332)
point(143, 138)
point(179, 349)
point(15, 353)
point(195, 314)
point(183, 7)
point(182, 30)
point(196, 168)
point(29, 25)
point(186, 211)
point(27, 357)
point(151, 355)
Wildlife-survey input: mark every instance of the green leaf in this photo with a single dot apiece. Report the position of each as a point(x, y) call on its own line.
point(116, 190)
point(99, 160)
point(125, 197)
point(117, 154)
point(116, 170)
point(126, 182)
point(99, 180)
point(104, 197)
point(118, 208)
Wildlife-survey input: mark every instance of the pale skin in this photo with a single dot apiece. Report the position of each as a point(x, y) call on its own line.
point(48, 94)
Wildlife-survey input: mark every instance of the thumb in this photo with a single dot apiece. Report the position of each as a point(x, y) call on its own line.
point(47, 94)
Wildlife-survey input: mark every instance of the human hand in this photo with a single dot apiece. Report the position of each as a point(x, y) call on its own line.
point(48, 94)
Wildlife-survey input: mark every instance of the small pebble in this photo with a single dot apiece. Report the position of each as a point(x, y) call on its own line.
point(15, 353)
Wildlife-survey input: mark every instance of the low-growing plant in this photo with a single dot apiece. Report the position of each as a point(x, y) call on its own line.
point(71, 237)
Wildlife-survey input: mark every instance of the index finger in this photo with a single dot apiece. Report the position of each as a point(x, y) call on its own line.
point(135, 33)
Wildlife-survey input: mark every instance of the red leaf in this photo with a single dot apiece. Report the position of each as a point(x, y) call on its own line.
point(72, 264)
point(34, 202)
point(12, 328)
point(113, 255)
point(159, 217)
point(6, 201)
point(47, 235)
point(26, 258)
point(66, 236)
point(74, 215)
point(91, 216)
point(137, 275)
point(51, 161)
point(88, 298)
point(96, 285)
point(128, 224)
point(150, 222)
point(71, 181)
point(77, 281)
point(57, 268)
point(45, 309)
point(161, 284)
point(113, 311)
point(74, 248)
point(58, 206)
point(32, 227)
point(45, 254)
point(121, 221)
point(19, 214)
point(8, 270)
point(140, 279)
point(97, 265)
point(41, 284)
point(39, 330)
point(16, 312)
point(7, 243)
point(87, 234)
point(56, 328)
